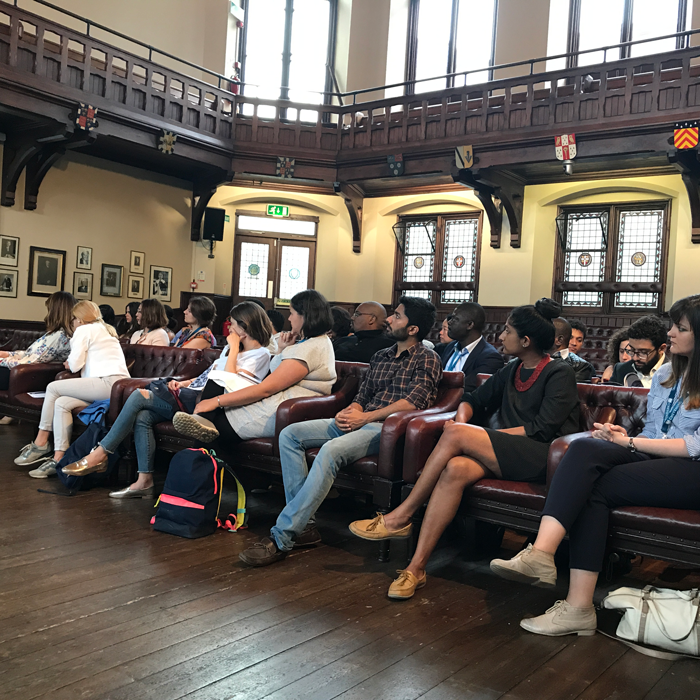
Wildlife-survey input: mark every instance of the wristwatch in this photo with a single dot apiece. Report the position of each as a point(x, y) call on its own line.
point(631, 446)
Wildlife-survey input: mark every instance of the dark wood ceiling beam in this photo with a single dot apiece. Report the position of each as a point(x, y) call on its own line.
point(689, 167)
point(352, 196)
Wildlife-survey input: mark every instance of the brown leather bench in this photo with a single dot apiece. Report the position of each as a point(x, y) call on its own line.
point(663, 533)
point(15, 339)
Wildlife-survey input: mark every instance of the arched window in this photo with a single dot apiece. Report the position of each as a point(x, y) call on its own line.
point(449, 36)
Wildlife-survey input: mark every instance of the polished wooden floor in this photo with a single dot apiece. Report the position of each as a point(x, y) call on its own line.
point(93, 604)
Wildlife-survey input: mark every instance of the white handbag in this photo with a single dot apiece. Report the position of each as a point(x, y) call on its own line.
point(658, 617)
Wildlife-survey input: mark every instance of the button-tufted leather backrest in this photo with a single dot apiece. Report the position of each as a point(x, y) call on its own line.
point(13, 339)
point(158, 361)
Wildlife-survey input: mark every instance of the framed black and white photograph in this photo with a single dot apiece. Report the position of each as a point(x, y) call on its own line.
point(84, 258)
point(111, 280)
point(47, 271)
point(82, 285)
point(138, 262)
point(160, 282)
point(8, 282)
point(9, 251)
point(135, 287)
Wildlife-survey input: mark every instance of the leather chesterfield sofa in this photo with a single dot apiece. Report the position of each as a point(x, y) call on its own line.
point(145, 363)
point(663, 533)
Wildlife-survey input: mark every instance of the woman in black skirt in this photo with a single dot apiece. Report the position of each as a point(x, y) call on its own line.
point(534, 399)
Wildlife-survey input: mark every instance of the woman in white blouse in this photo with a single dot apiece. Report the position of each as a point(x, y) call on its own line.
point(152, 319)
point(95, 353)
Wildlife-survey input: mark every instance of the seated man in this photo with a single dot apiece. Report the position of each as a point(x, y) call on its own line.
point(368, 325)
point(647, 348)
point(403, 377)
point(578, 335)
point(469, 352)
point(583, 370)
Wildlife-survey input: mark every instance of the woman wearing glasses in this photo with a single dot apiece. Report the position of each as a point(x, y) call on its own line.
point(657, 469)
point(618, 351)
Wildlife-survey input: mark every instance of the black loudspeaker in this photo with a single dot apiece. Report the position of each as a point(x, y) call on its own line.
point(213, 227)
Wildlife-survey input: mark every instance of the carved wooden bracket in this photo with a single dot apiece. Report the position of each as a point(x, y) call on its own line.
point(497, 191)
point(36, 149)
point(202, 192)
point(689, 166)
point(353, 196)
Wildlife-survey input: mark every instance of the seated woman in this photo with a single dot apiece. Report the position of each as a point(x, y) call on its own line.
point(658, 469)
point(305, 366)
point(199, 315)
point(152, 322)
point(95, 353)
point(53, 346)
point(537, 401)
point(618, 351)
point(245, 353)
point(129, 325)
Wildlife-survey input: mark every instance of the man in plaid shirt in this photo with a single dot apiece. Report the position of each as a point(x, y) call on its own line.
point(403, 377)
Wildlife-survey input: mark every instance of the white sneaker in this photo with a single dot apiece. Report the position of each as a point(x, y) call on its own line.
point(31, 454)
point(46, 470)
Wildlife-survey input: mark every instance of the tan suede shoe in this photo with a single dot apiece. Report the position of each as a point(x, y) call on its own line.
point(562, 619)
point(375, 529)
point(528, 566)
point(406, 585)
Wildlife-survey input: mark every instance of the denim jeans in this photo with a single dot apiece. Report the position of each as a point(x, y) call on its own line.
point(139, 414)
point(304, 489)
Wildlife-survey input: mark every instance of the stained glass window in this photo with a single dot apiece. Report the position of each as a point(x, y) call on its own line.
point(294, 271)
point(253, 270)
point(584, 257)
point(419, 260)
point(459, 259)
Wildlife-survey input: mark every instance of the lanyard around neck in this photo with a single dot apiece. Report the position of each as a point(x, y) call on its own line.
point(673, 405)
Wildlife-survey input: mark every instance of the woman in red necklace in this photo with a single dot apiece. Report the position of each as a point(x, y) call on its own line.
point(527, 404)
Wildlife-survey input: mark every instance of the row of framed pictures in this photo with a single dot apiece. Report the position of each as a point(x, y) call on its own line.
point(47, 274)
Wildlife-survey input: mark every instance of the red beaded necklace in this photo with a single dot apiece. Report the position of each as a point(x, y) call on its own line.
point(524, 386)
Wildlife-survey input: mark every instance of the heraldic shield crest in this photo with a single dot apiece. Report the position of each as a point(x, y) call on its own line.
point(565, 146)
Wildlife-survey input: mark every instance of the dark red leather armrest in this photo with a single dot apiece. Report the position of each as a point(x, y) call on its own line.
point(422, 434)
point(558, 449)
point(34, 377)
point(121, 390)
point(314, 407)
point(66, 374)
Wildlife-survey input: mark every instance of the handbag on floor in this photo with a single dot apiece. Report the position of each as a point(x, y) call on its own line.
point(191, 499)
point(658, 617)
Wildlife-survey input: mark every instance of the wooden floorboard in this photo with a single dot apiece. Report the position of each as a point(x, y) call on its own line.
point(94, 604)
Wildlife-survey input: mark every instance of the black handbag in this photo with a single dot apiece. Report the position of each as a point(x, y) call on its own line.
point(179, 399)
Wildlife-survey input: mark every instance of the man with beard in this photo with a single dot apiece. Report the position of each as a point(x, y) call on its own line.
point(647, 347)
point(368, 324)
point(403, 377)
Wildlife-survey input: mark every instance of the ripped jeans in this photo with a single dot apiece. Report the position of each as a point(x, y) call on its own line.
point(140, 414)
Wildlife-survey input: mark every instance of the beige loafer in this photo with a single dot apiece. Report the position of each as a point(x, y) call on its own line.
point(562, 619)
point(376, 529)
point(406, 585)
point(530, 565)
point(81, 468)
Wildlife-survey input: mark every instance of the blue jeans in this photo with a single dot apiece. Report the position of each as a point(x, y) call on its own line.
point(139, 414)
point(304, 489)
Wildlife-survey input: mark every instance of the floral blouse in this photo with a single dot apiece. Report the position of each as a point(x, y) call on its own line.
point(187, 336)
point(51, 347)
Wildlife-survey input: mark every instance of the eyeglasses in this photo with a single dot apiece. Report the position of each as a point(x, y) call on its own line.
point(641, 354)
point(361, 313)
point(626, 350)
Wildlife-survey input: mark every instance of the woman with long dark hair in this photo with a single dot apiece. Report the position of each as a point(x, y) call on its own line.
point(656, 469)
point(535, 400)
point(618, 351)
point(199, 315)
point(129, 325)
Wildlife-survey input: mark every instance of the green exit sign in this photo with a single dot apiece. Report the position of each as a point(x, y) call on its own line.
point(277, 210)
point(227, 218)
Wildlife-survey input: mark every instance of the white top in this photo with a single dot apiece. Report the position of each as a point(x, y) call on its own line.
point(646, 378)
point(258, 419)
point(159, 336)
point(95, 353)
point(257, 362)
point(463, 354)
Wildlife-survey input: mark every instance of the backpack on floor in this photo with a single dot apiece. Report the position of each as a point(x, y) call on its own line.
point(79, 449)
point(191, 498)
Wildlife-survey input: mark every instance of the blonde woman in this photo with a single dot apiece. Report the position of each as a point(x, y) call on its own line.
point(95, 353)
point(152, 320)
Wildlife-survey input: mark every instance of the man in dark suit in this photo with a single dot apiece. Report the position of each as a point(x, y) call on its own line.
point(469, 352)
point(369, 335)
point(561, 350)
point(647, 346)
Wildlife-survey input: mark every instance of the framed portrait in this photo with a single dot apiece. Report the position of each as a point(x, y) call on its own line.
point(84, 258)
point(111, 280)
point(82, 285)
point(9, 251)
point(135, 287)
point(47, 271)
point(8, 282)
point(160, 283)
point(138, 262)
